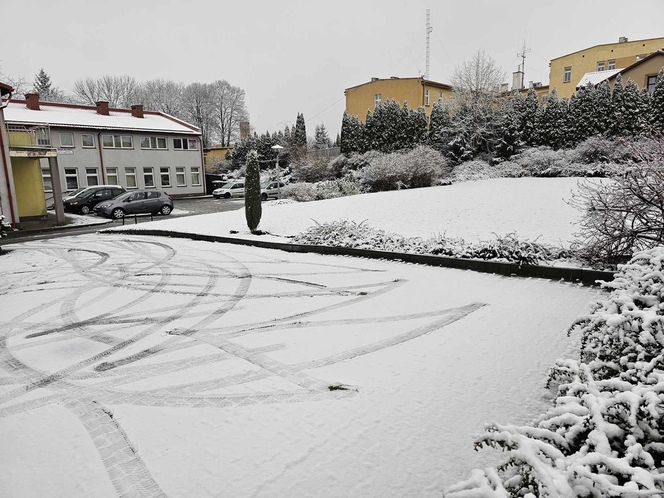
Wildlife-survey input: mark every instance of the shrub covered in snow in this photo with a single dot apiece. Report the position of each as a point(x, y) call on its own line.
point(345, 233)
point(311, 170)
point(600, 149)
point(328, 189)
point(419, 167)
point(604, 434)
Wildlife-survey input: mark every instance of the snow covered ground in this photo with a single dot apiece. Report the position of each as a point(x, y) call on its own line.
point(134, 365)
point(532, 207)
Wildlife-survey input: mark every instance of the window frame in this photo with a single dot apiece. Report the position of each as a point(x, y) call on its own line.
point(378, 98)
point(600, 66)
point(195, 170)
point(46, 174)
point(132, 174)
point(427, 97)
point(180, 171)
point(71, 175)
point(154, 139)
point(88, 175)
point(91, 135)
point(650, 77)
point(161, 176)
point(118, 142)
point(567, 74)
point(73, 142)
point(109, 174)
point(611, 64)
point(148, 171)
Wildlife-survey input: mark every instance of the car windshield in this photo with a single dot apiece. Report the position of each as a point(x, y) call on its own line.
point(228, 185)
point(77, 192)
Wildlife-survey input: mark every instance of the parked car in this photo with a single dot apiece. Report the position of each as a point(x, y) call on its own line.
point(85, 199)
point(136, 202)
point(272, 189)
point(234, 188)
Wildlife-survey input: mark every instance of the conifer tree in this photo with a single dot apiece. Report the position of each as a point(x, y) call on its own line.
point(299, 137)
point(527, 110)
point(321, 138)
point(418, 127)
point(508, 135)
point(656, 113)
point(252, 192)
point(551, 122)
point(617, 115)
point(42, 84)
point(350, 139)
point(440, 120)
point(635, 108)
point(602, 108)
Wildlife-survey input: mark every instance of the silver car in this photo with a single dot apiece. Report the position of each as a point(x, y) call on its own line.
point(136, 202)
point(234, 188)
point(272, 190)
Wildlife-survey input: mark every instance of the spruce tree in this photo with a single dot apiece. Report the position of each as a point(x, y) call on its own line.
point(527, 110)
point(508, 135)
point(438, 121)
point(635, 108)
point(656, 113)
point(299, 137)
point(321, 138)
point(350, 139)
point(252, 192)
point(419, 127)
point(42, 84)
point(602, 108)
point(617, 115)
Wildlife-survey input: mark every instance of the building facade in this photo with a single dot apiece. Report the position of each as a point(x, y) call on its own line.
point(98, 145)
point(568, 71)
point(416, 92)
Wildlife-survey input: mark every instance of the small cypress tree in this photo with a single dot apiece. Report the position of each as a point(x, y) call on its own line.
point(252, 192)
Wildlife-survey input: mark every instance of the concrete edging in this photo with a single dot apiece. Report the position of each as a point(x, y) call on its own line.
point(581, 275)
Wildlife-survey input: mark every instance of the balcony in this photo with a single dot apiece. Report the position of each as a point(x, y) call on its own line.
point(30, 141)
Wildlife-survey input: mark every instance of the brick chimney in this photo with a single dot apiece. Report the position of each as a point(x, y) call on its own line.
point(137, 110)
point(102, 108)
point(32, 101)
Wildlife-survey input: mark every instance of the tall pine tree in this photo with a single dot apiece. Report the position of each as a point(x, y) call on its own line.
point(299, 137)
point(635, 108)
point(42, 84)
point(656, 113)
point(350, 139)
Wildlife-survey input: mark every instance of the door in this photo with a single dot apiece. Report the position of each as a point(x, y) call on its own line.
point(152, 202)
point(135, 203)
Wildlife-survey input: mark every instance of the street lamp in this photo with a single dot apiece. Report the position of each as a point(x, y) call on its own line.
point(277, 148)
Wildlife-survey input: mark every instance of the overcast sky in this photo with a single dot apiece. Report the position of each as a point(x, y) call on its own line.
point(298, 56)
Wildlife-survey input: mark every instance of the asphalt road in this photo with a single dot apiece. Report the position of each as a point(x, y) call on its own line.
point(183, 207)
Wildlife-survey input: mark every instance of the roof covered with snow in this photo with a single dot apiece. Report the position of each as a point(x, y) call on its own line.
point(80, 116)
point(596, 77)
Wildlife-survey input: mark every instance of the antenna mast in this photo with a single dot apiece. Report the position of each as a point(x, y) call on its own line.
point(429, 29)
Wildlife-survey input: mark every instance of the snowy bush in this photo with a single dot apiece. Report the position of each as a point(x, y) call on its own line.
point(623, 215)
point(473, 170)
point(328, 189)
point(602, 150)
point(604, 434)
point(419, 167)
point(311, 170)
point(345, 233)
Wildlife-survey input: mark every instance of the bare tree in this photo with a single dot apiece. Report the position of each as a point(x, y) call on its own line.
point(163, 96)
point(478, 76)
point(118, 91)
point(198, 108)
point(21, 85)
point(229, 110)
point(625, 214)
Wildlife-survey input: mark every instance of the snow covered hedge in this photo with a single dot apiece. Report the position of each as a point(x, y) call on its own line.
point(345, 233)
point(604, 434)
point(327, 189)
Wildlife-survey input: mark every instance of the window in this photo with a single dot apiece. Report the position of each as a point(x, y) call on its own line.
point(567, 76)
point(440, 97)
point(153, 143)
point(148, 177)
point(612, 64)
point(46, 179)
point(651, 82)
point(43, 136)
point(377, 100)
point(91, 176)
point(71, 178)
point(180, 178)
point(130, 177)
point(185, 144)
point(195, 176)
point(112, 176)
point(165, 176)
point(117, 141)
point(88, 140)
point(426, 97)
point(66, 139)
point(601, 65)
point(153, 195)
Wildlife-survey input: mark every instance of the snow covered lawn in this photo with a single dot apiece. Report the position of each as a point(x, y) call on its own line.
point(134, 365)
point(532, 207)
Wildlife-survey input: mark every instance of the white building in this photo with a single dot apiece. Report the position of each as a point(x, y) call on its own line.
point(101, 145)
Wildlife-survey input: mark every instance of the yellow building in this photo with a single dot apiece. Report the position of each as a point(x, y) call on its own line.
point(567, 71)
point(416, 92)
point(643, 73)
point(215, 155)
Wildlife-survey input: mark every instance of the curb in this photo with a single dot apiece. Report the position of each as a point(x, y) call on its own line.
point(581, 275)
point(63, 228)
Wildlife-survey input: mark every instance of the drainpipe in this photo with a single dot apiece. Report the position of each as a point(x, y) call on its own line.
point(101, 159)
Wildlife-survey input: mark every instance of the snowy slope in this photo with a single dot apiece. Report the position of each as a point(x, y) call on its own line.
point(197, 369)
point(532, 207)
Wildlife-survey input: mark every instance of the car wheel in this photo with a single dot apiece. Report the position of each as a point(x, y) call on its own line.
point(85, 210)
point(227, 195)
point(118, 213)
point(165, 210)
point(264, 197)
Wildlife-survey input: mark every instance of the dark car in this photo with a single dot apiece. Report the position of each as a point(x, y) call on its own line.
point(136, 202)
point(85, 199)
